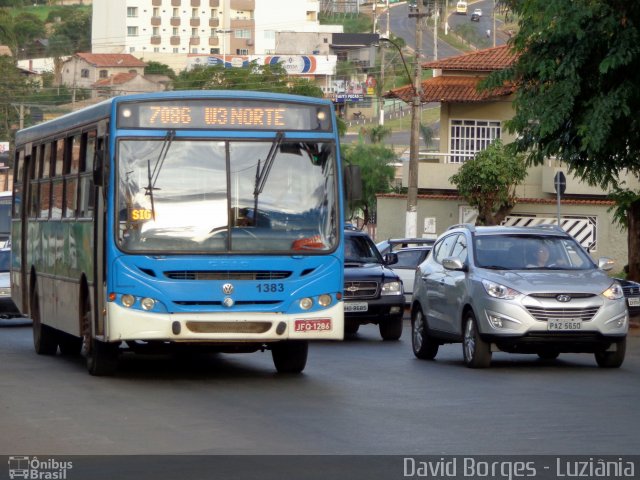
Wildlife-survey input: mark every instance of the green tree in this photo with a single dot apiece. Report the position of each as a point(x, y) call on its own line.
point(377, 133)
point(265, 78)
point(27, 28)
point(157, 68)
point(376, 171)
point(14, 89)
point(488, 182)
point(76, 26)
point(577, 73)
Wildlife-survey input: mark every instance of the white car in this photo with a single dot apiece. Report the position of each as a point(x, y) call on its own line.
point(477, 11)
point(7, 307)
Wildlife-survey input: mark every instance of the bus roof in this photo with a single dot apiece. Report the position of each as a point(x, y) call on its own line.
point(93, 113)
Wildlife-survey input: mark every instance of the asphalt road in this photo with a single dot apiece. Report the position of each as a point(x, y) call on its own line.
point(359, 397)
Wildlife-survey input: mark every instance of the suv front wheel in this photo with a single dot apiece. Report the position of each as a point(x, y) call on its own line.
point(612, 359)
point(477, 352)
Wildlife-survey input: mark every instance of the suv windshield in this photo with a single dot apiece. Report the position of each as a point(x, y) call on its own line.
point(224, 196)
point(529, 252)
point(360, 249)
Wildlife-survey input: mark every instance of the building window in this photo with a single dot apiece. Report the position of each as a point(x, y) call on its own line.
point(176, 50)
point(132, 49)
point(243, 33)
point(132, 31)
point(156, 49)
point(467, 137)
point(194, 32)
point(104, 73)
point(242, 51)
point(156, 11)
point(176, 31)
point(156, 31)
point(132, 12)
point(214, 13)
point(214, 51)
point(84, 73)
point(176, 12)
point(194, 13)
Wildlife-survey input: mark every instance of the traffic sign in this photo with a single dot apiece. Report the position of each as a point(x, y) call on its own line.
point(560, 182)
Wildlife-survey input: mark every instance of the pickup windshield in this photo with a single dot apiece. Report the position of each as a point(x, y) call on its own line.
point(226, 196)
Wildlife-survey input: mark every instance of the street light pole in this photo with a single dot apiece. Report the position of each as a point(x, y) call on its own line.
point(224, 46)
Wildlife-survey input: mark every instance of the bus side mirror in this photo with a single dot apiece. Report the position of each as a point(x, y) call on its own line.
point(100, 173)
point(352, 183)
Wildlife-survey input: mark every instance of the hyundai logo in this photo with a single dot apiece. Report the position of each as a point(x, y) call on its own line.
point(352, 289)
point(227, 289)
point(563, 298)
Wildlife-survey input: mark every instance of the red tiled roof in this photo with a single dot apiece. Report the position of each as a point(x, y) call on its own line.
point(111, 59)
point(487, 60)
point(117, 79)
point(450, 89)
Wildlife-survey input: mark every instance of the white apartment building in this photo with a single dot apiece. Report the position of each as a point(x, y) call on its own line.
point(149, 28)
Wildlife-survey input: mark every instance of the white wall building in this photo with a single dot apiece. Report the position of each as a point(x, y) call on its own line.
point(230, 27)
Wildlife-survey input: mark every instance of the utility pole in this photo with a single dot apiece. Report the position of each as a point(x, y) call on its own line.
point(382, 60)
point(411, 221)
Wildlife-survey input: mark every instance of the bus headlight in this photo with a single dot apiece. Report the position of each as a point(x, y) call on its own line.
point(128, 300)
point(306, 303)
point(147, 303)
point(324, 300)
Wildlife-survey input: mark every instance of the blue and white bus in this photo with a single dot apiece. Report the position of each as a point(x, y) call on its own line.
point(179, 218)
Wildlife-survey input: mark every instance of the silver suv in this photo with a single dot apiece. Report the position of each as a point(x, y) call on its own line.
point(519, 290)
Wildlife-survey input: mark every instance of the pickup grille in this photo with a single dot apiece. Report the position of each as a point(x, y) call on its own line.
point(356, 290)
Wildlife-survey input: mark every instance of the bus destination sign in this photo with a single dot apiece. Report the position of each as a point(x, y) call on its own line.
point(221, 114)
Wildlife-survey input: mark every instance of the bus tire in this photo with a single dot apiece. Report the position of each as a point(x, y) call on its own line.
point(290, 356)
point(102, 359)
point(45, 338)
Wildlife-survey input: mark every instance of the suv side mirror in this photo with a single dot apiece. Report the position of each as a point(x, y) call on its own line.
point(390, 258)
point(605, 263)
point(454, 263)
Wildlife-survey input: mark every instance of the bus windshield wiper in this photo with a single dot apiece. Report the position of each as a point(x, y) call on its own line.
point(261, 175)
point(153, 176)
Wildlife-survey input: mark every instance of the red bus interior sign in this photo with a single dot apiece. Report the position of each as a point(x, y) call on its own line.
point(211, 114)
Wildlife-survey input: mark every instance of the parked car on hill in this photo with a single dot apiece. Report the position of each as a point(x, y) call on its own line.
point(519, 290)
point(373, 292)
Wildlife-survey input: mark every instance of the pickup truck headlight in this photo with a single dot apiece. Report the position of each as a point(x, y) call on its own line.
point(392, 288)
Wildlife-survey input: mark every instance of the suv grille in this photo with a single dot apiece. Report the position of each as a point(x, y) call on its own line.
point(544, 314)
point(360, 290)
point(630, 290)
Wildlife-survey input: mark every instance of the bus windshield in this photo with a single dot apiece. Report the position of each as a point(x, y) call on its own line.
point(187, 195)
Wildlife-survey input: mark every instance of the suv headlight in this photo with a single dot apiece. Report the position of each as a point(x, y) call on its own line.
point(391, 288)
point(496, 290)
point(614, 292)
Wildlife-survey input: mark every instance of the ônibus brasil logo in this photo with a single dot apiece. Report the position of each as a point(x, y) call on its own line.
point(33, 468)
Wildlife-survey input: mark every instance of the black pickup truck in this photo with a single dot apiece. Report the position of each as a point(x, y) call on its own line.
point(373, 293)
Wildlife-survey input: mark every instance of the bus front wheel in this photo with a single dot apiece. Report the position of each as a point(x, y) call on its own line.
point(290, 356)
point(102, 357)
